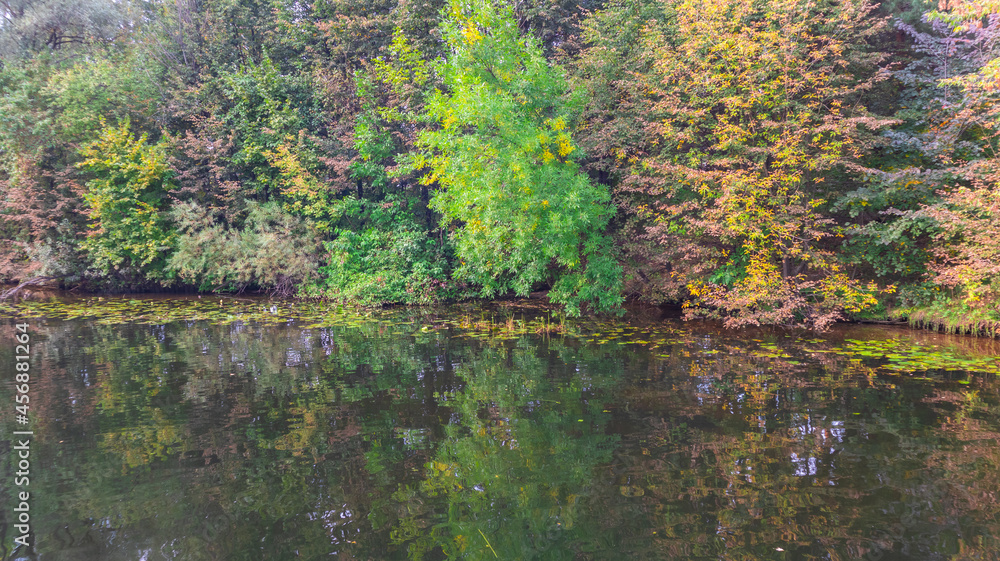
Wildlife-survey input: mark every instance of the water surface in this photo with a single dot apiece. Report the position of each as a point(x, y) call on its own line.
point(253, 430)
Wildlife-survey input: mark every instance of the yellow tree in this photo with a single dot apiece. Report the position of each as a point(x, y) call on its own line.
point(751, 116)
point(130, 234)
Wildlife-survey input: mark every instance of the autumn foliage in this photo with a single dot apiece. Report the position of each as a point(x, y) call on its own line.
point(784, 162)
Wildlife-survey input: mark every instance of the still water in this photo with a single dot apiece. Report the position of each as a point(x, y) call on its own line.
point(240, 429)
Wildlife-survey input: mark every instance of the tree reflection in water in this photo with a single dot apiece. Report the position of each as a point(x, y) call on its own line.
point(386, 439)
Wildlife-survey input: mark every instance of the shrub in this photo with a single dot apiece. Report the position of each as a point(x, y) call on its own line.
point(393, 260)
point(273, 250)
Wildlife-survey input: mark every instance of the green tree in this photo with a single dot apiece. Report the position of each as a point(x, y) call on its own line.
point(262, 106)
point(523, 212)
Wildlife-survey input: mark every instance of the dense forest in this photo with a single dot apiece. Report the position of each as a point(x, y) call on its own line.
point(784, 162)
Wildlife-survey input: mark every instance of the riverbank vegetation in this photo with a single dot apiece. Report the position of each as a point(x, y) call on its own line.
point(784, 162)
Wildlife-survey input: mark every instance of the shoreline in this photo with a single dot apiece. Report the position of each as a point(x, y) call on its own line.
point(536, 302)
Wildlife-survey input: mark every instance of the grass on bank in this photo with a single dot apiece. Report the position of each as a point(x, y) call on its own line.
point(954, 317)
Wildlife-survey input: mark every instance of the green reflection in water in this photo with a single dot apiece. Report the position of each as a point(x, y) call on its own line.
point(484, 434)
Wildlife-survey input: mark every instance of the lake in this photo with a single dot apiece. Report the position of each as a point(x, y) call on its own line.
point(248, 429)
